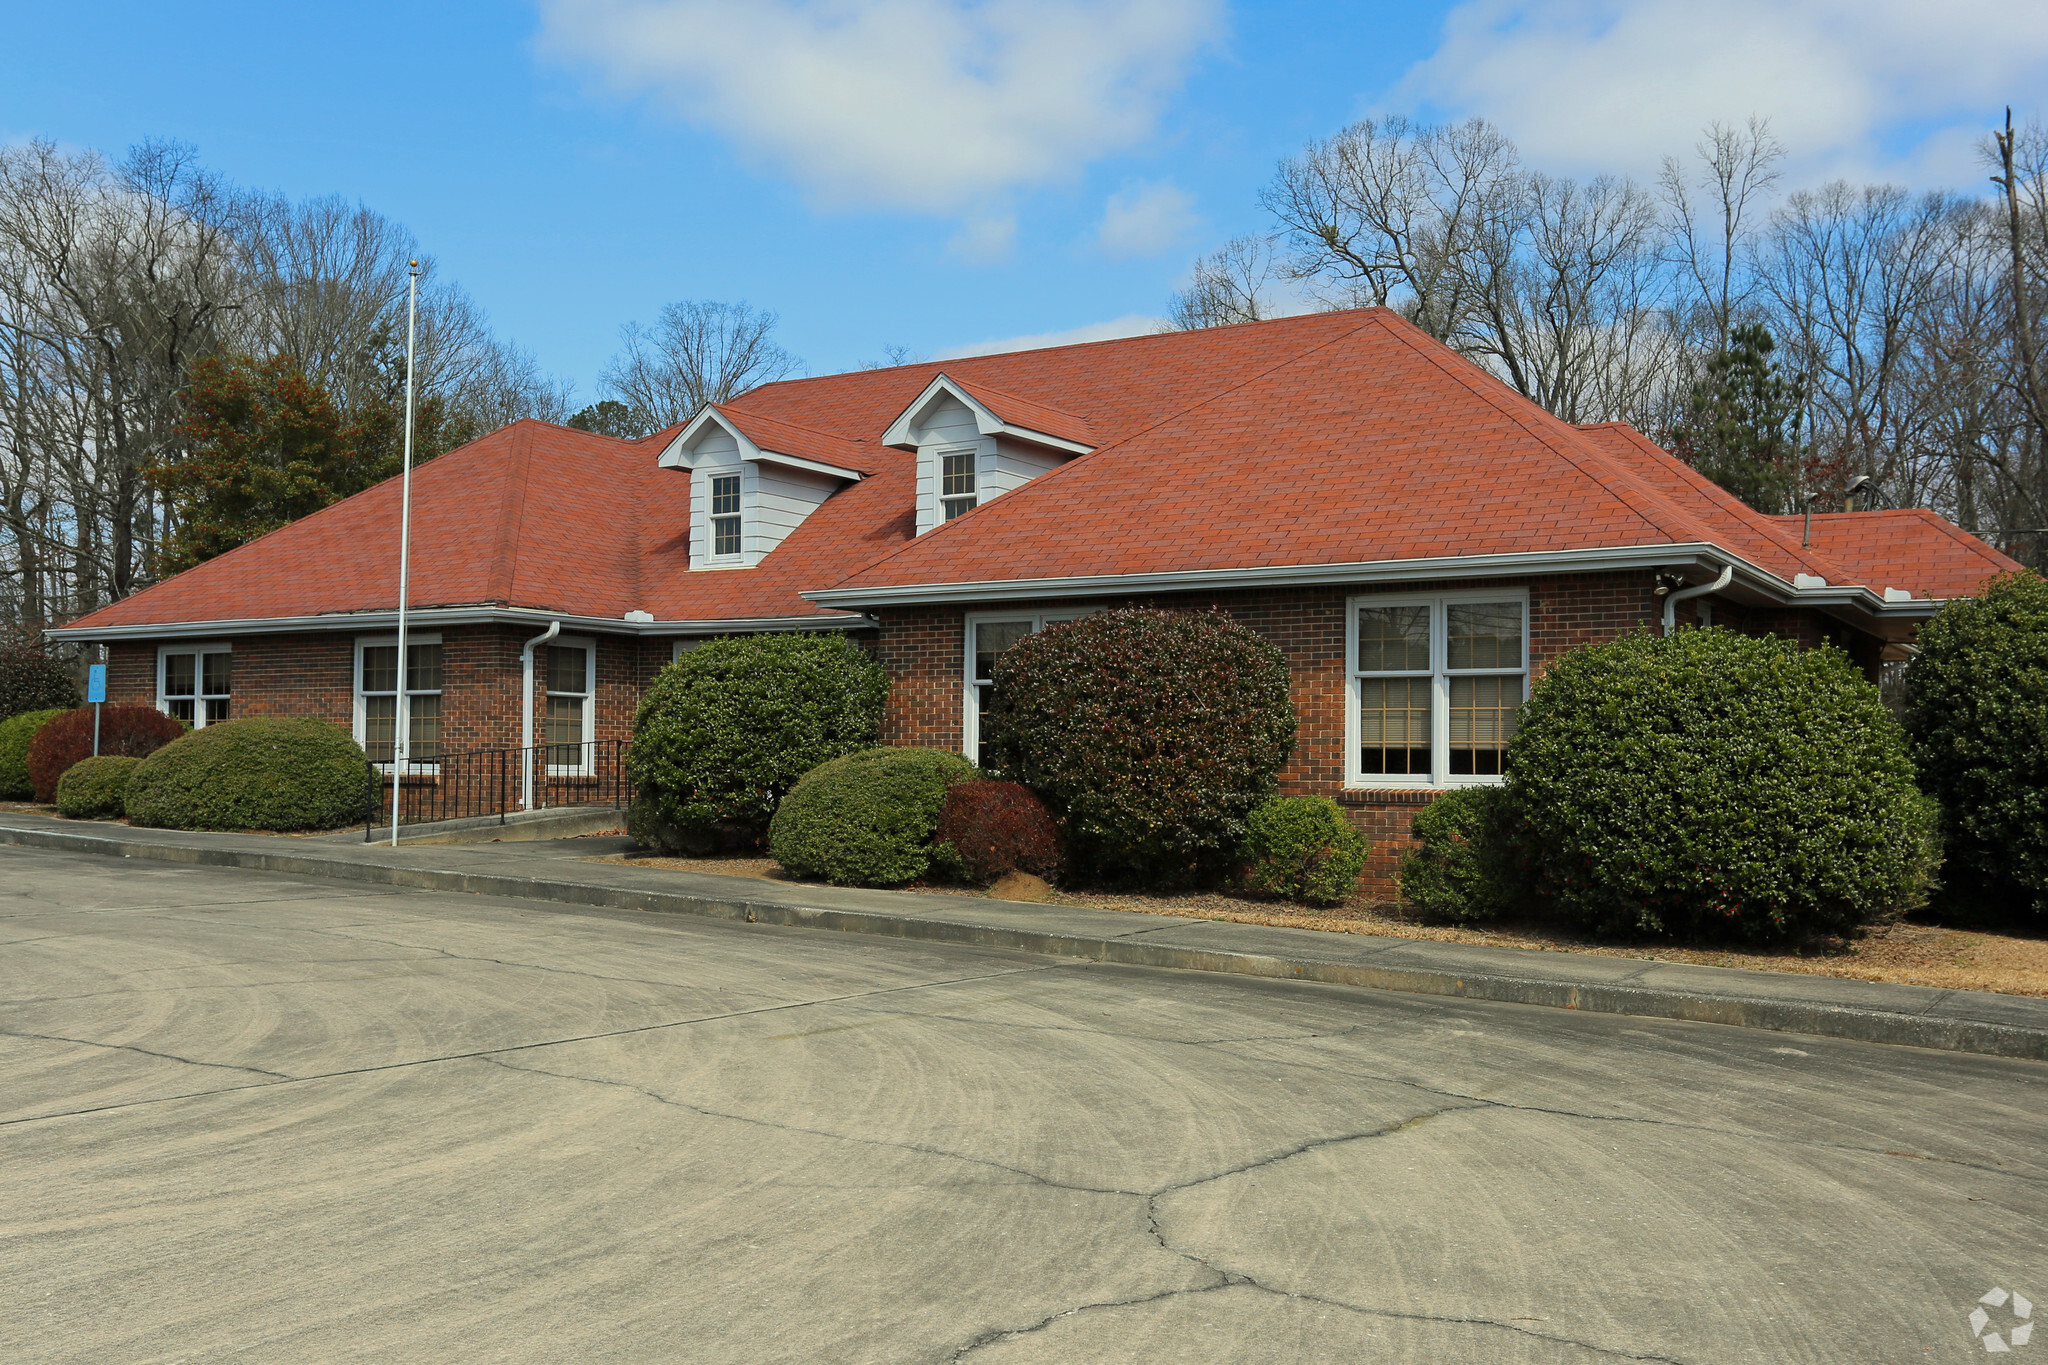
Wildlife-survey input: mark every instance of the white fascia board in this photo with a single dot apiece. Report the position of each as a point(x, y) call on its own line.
point(799, 462)
point(437, 617)
point(677, 454)
point(1700, 558)
point(986, 421)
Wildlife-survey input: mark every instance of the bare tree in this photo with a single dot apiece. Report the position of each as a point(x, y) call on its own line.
point(698, 351)
point(1737, 170)
point(1234, 283)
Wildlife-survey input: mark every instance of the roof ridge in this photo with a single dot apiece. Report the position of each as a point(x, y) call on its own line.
point(1039, 483)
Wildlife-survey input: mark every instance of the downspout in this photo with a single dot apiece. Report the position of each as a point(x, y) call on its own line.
point(1672, 600)
point(526, 712)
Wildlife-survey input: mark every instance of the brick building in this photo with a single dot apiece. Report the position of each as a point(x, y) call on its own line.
point(1418, 539)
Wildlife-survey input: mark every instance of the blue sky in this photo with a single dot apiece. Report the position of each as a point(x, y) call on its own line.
point(943, 175)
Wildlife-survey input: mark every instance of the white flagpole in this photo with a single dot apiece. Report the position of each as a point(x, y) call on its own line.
point(399, 718)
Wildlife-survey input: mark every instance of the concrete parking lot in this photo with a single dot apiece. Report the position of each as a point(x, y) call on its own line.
point(255, 1117)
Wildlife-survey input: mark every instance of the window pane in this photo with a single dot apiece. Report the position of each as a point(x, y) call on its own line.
point(1485, 635)
point(380, 668)
point(992, 638)
point(956, 478)
point(566, 671)
point(1393, 640)
point(216, 709)
point(178, 676)
point(423, 730)
point(422, 668)
point(960, 506)
point(180, 707)
point(1393, 725)
point(565, 724)
point(725, 495)
point(380, 725)
point(1482, 723)
point(725, 535)
point(216, 674)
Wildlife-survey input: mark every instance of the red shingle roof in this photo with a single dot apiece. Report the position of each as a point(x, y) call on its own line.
point(1035, 416)
point(1910, 548)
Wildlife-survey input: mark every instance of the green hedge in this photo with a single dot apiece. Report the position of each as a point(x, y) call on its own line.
point(253, 774)
point(731, 726)
point(16, 734)
point(96, 788)
point(1150, 734)
point(866, 819)
point(31, 680)
point(1453, 871)
point(1715, 784)
point(1978, 714)
point(1303, 848)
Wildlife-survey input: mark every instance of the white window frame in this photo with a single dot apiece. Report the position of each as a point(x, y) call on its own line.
point(678, 648)
point(712, 558)
point(583, 766)
point(360, 725)
point(200, 696)
point(1440, 675)
point(972, 454)
point(970, 701)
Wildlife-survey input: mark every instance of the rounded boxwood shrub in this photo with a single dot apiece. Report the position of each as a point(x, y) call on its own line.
point(96, 788)
point(1303, 848)
point(253, 774)
point(731, 726)
point(31, 680)
point(988, 829)
point(1456, 868)
point(130, 731)
point(866, 819)
point(1979, 720)
point(16, 734)
point(1715, 784)
point(1151, 735)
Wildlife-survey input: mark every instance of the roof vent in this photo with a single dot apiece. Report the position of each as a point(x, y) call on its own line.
point(641, 616)
point(1808, 580)
point(1897, 595)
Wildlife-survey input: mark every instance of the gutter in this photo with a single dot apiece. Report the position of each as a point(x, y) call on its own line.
point(1671, 600)
point(433, 617)
point(526, 712)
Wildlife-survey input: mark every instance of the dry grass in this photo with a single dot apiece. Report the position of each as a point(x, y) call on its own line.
point(1907, 953)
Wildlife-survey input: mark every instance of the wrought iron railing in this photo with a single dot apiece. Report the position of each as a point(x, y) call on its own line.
point(486, 782)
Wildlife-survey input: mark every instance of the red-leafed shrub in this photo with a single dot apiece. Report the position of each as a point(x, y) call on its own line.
point(988, 829)
point(130, 731)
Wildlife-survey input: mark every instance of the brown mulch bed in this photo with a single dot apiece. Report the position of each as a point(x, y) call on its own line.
point(1908, 953)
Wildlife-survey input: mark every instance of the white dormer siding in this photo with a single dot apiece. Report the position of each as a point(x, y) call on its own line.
point(1000, 463)
point(773, 492)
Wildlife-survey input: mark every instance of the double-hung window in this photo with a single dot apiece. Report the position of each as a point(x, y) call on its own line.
point(382, 706)
point(569, 713)
point(192, 683)
point(725, 515)
point(958, 489)
point(988, 637)
point(1436, 684)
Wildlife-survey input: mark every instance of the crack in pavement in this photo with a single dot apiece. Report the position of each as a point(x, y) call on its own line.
point(146, 1052)
point(484, 1053)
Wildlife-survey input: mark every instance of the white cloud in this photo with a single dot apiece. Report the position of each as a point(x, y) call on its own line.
point(985, 238)
point(1145, 219)
point(927, 105)
point(1129, 325)
point(1617, 84)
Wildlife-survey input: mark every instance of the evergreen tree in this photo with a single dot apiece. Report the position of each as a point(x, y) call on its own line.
point(1742, 427)
point(609, 417)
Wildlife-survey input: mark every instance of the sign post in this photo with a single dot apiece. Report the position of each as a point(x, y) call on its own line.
point(95, 692)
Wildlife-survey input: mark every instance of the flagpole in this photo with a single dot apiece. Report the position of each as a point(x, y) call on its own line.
point(399, 717)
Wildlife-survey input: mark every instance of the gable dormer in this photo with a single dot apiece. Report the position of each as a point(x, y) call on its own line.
point(746, 495)
point(975, 443)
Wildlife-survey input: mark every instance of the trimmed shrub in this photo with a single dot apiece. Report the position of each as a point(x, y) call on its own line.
point(1150, 734)
point(1303, 848)
point(988, 829)
point(1979, 722)
point(866, 819)
point(130, 731)
point(31, 680)
point(731, 726)
point(96, 788)
point(253, 774)
point(16, 734)
point(1715, 784)
point(1455, 873)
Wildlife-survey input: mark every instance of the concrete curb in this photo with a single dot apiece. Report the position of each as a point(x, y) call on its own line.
point(1955, 1021)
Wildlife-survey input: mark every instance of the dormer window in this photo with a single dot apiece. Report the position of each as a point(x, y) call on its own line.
point(957, 480)
point(725, 515)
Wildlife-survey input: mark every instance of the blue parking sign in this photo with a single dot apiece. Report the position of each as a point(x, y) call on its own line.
point(96, 682)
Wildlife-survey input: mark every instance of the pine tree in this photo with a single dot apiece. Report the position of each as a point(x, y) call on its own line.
point(1742, 427)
